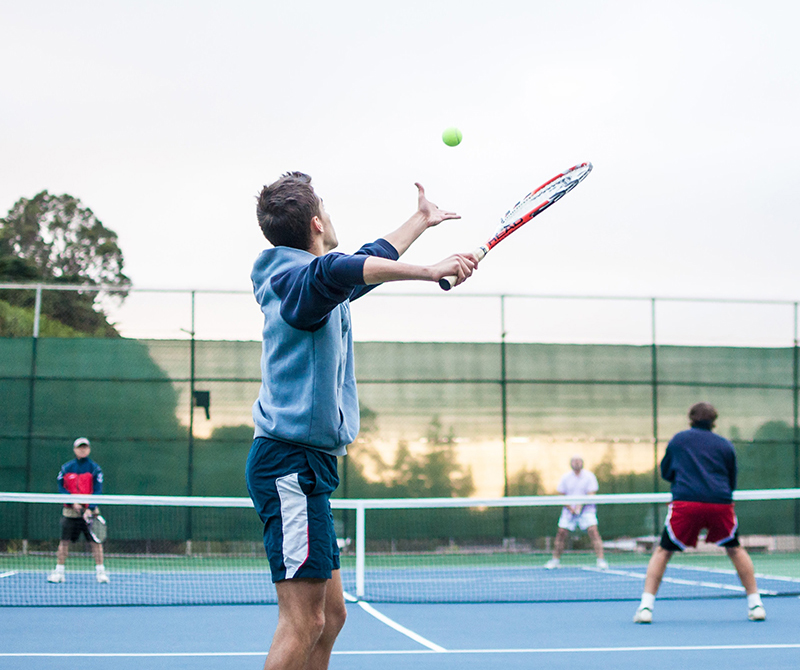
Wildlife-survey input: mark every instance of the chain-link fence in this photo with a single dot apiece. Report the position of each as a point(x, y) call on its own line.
point(460, 394)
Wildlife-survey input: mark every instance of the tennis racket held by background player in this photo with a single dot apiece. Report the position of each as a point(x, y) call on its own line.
point(526, 209)
point(97, 528)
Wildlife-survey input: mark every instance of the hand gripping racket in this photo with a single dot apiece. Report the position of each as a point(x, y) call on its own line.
point(530, 206)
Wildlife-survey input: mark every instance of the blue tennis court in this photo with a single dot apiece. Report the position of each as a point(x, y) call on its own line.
point(711, 633)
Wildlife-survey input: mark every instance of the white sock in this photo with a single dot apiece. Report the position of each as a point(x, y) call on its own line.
point(648, 601)
point(753, 600)
point(59, 568)
point(100, 568)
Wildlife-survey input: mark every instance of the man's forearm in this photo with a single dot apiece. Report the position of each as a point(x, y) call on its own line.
point(379, 270)
point(402, 238)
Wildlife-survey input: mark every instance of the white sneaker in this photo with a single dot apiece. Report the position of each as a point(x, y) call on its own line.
point(552, 563)
point(56, 577)
point(757, 613)
point(643, 615)
point(102, 577)
point(602, 564)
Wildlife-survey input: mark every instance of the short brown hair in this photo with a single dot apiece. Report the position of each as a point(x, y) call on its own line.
point(702, 415)
point(285, 209)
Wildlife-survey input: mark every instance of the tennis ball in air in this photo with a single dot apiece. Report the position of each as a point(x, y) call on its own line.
point(451, 137)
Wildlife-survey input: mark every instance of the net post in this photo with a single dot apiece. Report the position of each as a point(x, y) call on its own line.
point(360, 549)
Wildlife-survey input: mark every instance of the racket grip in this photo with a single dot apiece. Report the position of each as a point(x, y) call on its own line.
point(446, 283)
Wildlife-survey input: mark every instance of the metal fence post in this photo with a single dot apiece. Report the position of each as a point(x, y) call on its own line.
point(31, 408)
point(654, 384)
point(504, 410)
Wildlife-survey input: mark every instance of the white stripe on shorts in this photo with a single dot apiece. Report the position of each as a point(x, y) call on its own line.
point(294, 520)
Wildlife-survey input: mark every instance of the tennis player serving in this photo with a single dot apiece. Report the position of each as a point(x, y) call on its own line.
point(307, 408)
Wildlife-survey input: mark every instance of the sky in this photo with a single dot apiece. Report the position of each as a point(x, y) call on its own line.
point(166, 118)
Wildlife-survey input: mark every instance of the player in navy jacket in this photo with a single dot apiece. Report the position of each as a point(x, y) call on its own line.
point(701, 468)
point(307, 408)
point(81, 475)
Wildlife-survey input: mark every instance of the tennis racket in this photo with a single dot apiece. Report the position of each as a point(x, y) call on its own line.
point(97, 528)
point(530, 206)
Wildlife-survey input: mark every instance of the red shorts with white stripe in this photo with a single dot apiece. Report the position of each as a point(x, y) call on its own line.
point(685, 520)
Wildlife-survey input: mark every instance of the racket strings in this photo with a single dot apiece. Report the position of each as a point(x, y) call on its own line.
point(551, 190)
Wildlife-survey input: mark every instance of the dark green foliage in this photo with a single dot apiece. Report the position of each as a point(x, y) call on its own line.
point(55, 239)
point(525, 483)
point(435, 473)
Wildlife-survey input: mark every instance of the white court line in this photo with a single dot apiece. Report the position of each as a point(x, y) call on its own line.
point(682, 582)
point(554, 650)
point(8, 574)
point(393, 624)
point(759, 575)
point(675, 580)
point(369, 609)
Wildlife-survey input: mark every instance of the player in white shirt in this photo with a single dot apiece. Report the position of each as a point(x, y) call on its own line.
point(577, 482)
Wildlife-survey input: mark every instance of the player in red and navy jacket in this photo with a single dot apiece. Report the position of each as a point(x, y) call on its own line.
point(81, 475)
point(701, 468)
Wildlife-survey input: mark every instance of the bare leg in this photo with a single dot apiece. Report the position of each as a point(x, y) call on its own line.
point(302, 623)
point(335, 615)
point(97, 552)
point(655, 569)
point(63, 552)
point(597, 541)
point(744, 568)
point(561, 539)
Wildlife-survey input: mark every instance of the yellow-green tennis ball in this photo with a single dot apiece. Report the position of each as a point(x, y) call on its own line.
point(451, 137)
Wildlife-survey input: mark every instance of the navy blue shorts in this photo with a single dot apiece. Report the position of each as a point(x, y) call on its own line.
point(72, 529)
point(291, 488)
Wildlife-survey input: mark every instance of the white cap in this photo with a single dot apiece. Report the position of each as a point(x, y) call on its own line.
point(80, 441)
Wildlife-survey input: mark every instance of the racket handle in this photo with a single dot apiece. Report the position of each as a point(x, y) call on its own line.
point(446, 283)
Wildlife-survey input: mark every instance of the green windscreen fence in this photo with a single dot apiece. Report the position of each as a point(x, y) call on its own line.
point(438, 419)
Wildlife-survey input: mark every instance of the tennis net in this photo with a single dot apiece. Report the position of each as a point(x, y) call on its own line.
point(165, 550)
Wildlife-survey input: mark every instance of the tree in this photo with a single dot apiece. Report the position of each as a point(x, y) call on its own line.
point(611, 481)
point(55, 239)
point(526, 483)
point(434, 473)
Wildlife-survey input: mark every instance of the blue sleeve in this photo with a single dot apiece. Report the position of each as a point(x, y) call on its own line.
point(380, 248)
point(732, 469)
point(667, 471)
point(308, 293)
point(97, 488)
point(61, 474)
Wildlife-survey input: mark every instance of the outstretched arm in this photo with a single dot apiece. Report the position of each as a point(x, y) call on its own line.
point(426, 216)
point(379, 270)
